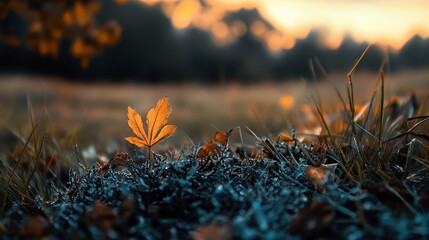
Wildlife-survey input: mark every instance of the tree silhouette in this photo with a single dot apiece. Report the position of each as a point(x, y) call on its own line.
point(49, 22)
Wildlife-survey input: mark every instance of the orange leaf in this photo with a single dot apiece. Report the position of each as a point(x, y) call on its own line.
point(156, 129)
point(221, 137)
point(207, 150)
point(136, 124)
point(211, 147)
point(318, 175)
point(165, 133)
point(157, 117)
point(136, 141)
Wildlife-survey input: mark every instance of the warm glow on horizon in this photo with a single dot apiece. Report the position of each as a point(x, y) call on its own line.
point(389, 22)
point(185, 12)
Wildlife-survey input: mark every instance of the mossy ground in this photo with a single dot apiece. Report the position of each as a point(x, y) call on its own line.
point(219, 197)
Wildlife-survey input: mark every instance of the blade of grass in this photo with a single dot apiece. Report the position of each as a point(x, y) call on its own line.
point(6, 187)
point(343, 156)
point(366, 131)
point(37, 158)
point(360, 160)
point(401, 198)
point(258, 119)
point(348, 117)
point(350, 77)
point(408, 158)
point(31, 117)
point(380, 133)
point(408, 131)
point(420, 135)
point(306, 154)
point(417, 117)
point(369, 107)
point(266, 143)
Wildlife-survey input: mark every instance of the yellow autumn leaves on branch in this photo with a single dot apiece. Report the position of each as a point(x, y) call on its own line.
point(156, 121)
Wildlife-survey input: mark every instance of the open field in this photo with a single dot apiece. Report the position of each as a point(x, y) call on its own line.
point(86, 114)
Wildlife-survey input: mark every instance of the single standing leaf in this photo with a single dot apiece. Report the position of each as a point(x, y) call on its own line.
point(136, 124)
point(156, 128)
point(157, 117)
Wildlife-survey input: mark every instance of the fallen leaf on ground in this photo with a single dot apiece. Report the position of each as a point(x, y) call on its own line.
point(320, 175)
point(120, 159)
point(212, 147)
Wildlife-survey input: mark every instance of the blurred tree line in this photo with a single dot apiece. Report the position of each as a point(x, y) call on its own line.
point(144, 46)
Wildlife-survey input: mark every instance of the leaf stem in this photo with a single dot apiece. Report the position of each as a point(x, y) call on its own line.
point(149, 162)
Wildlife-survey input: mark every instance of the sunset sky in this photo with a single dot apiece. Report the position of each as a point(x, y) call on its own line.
point(391, 22)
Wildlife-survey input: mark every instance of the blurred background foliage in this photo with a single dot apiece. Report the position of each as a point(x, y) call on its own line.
point(43, 26)
point(175, 41)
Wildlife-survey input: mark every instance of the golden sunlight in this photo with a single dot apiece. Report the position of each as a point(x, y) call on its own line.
point(389, 22)
point(184, 13)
